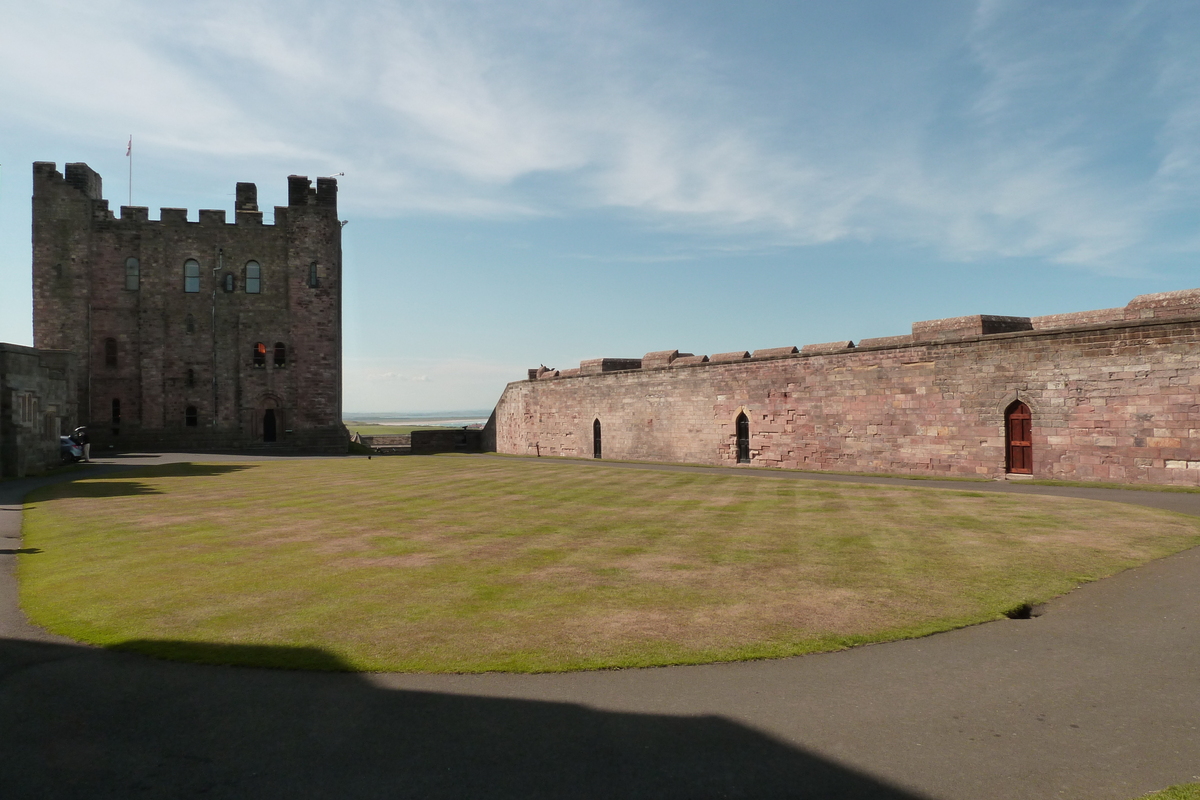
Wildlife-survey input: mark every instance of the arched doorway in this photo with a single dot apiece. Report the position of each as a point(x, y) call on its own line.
point(1018, 430)
point(596, 439)
point(743, 439)
point(269, 425)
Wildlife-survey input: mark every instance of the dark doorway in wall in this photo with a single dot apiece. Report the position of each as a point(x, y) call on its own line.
point(596, 439)
point(269, 425)
point(1018, 430)
point(743, 439)
point(190, 416)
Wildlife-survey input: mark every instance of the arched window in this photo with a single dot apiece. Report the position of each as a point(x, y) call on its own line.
point(227, 283)
point(596, 439)
point(280, 354)
point(1018, 432)
point(260, 355)
point(743, 439)
point(133, 272)
point(190, 324)
point(314, 280)
point(191, 377)
point(253, 277)
point(116, 411)
point(110, 352)
point(190, 416)
point(191, 276)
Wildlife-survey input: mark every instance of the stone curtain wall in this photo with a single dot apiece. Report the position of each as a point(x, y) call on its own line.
point(162, 332)
point(1111, 401)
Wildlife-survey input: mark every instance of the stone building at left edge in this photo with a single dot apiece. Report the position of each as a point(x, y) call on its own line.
point(210, 335)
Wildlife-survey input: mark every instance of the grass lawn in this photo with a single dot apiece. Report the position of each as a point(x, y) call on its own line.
point(1184, 791)
point(459, 564)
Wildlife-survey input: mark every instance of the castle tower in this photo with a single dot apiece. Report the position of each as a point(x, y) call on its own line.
point(205, 335)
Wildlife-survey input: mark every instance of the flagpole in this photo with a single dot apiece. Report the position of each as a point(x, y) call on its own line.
point(129, 155)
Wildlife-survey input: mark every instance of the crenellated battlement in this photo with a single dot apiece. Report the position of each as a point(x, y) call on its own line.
point(1147, 307)
point(81, 182)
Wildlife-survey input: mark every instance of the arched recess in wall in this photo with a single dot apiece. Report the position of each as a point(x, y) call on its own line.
point(742, 425)
point(269, 418)
point(1018, 434)
point(596, 449)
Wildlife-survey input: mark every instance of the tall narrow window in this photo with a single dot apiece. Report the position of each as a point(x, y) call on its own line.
point(1018, 425)
point(190, 416)
point(253, 277)
point(228, 282)
point(191, 378)
point(314, 280)
point(260, 355)
point(110, 352)
point(116, 411)
point(596, 439)
point(133, 273)
point(280, 354)
point(190, 324)
point(191, 276)
point(743, 439)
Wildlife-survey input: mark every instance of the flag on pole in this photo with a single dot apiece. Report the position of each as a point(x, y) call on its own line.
point(129, 147)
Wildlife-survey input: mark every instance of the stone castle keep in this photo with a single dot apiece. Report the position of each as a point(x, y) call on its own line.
point(193, 335)
point(1108, 395)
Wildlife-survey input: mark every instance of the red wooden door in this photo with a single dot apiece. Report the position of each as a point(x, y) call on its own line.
point(1019, 427)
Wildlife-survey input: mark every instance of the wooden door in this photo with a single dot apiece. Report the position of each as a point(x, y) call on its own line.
point(1019, 431)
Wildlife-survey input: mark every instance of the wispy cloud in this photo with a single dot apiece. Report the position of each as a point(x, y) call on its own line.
point(470, 108)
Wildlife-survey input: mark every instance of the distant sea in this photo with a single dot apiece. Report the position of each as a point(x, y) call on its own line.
point(455, 419)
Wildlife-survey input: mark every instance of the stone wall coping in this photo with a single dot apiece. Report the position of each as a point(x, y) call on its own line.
point(772, 352)
point(827, 347)
point(901, 342)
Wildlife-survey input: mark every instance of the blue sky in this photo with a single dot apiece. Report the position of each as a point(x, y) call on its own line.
point(541, 182)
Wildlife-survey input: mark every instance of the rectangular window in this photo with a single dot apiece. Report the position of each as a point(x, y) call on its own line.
point(253, 278)
point(132, 274)
point(191, 276)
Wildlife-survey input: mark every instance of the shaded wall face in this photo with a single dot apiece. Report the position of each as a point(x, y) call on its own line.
point(1116, 404)
point(36, 407)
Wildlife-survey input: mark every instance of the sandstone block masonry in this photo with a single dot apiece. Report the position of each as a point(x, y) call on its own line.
point(206, 335)
point(1107, 395)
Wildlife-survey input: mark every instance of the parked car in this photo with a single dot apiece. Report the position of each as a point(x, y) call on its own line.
point(68, 450)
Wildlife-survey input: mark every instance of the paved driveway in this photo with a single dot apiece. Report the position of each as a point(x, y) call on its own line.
point(1098, 698)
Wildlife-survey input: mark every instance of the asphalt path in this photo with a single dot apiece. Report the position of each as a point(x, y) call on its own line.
point(1097, 698)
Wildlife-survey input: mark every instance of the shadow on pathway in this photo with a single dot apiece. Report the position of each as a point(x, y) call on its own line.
point(78, 722)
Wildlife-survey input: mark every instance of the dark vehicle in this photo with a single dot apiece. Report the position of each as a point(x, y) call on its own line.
point(68, 450)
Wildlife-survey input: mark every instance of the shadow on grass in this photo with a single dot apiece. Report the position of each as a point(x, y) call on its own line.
point(124, 482)
point(75, 719)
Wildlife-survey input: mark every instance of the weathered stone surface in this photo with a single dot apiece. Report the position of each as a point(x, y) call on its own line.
point(178, 349)
point(37, 405)
point(960, 327)
point(1111, 401)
